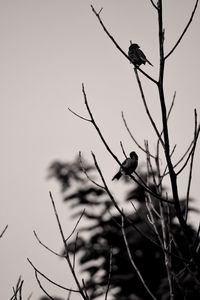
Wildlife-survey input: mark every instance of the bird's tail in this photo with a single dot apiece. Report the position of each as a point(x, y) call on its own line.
point(117, 176)
point(149, 62)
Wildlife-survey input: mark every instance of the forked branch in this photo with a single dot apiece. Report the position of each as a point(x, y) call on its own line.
point(117, 45)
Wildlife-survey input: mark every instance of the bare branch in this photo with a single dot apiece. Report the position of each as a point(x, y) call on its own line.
point(146, 107)
point(115, 203)
point(76, 225)
point(117, 45)
point(74, 255)
point(18, 289)
point(154, 5)
point(190, 153)
point(149, 164)
point(184, 155)
point(184, 31)
point(112, 154)
point(84, 289)
point(69, 296)
point(30, 295)
point(131, 135)
point(51, 281)
point(109, 274)
point(169, 112)
point(191, 163)
point(122, 147)
point(66, 249)
point(158, 145)
point(79, 116)
point(133, 263)
point(41, 287)
point(86, 173)
point(46, 247)
point(152, 219)
point(4, 230)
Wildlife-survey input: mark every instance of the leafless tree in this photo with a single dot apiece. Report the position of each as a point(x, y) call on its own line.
point(159, 204)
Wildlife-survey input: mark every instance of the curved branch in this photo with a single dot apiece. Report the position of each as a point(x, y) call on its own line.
point(41, 287)
point(146, 107)
point(79, 116)
point(184, 31)
point(45, 246)
point(191, 163)
point(112, 154)
point(190, 153)
point(80, 289)
point(131, 135)
point(117, 45)
point(86, 173)
point(154, 4)
point(51, 281)
point(116, 205)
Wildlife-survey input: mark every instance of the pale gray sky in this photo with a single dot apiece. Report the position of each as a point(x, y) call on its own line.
point(48, 48)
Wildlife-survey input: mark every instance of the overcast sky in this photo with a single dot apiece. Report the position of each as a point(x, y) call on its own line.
point(48, 48)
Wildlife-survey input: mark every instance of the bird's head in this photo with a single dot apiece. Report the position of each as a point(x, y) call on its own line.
point(133, 155)
point(134, 46)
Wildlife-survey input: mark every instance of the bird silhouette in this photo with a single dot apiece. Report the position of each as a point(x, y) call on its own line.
point(137, 56)
point(128, 166)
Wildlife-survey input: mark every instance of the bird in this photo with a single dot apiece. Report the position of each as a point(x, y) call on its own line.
point(136, 55)
point(128, 166)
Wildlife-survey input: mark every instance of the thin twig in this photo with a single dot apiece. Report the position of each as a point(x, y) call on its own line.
point(115, 203)
point(17, 289)
point(158, 147)
point(45, 246)
point(168, 115)
point(165, 169)
point(76, 225)
point(190, 153)
point(184, 31)
point(149, 164)
point(191, 165)
point(4, 230)
point(154, 5)
point(184, 155)
point(29, 297)
point(86, 173)
point(74, 254)
point(110, 151)
point(122, 147)
point(51, 281)
point(142, 217)
point(84, 289)
point(117, 45)
point(109, 274)
point(167, 252)
point(79, 116)
point(41, 287)
point(66, 249)
point(146, 107)
point(132, 137)
point(196, 241)
point(69, 296)
point(133, 263)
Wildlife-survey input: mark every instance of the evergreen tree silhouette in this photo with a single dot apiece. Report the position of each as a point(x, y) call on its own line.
point(103, 227)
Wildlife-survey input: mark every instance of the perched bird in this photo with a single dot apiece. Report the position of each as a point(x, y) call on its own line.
point(137, 56)
point(129, 166)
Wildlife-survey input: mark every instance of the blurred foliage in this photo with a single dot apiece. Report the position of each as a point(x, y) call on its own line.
point(100, 231)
